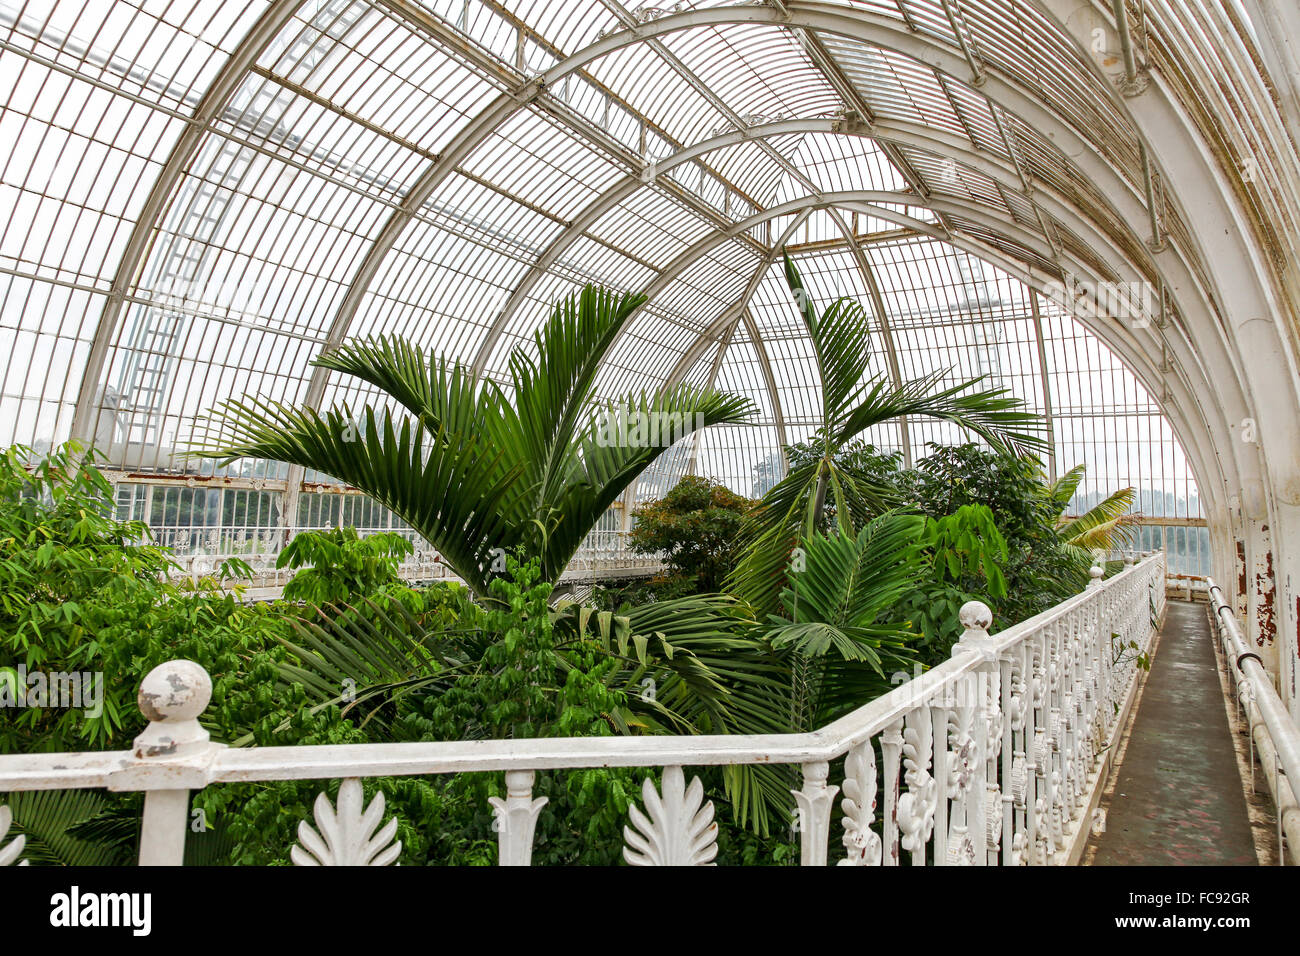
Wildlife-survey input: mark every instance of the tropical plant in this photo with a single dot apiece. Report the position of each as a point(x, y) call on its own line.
point(91, 600)
point(694, 527)
point(72, 827)
point(966, 555)
point(1103, 526)
point(336, 564)
point(852, 401)
point(838, 623)
point(685, 665)
point(481, 470)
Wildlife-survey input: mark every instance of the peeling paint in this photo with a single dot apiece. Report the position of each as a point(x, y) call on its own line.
point(146, 704)
point(1265, 592)
point(157, 750)
point(1241, 568)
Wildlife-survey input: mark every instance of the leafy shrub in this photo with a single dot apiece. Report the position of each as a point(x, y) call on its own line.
point(966, 553)
point(338, 565)
point(695, 527)
point(83, 592)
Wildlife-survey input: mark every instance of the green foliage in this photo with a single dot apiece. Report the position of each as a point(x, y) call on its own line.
point(965, 554)
point(337, 565)
point(480, 469)
point(839, 634)
point(967, 544)
point(84, 593)
point(81, 592)
point(846, 583)
point(435, 665)
point(72, 827)
point(1040, 569)
point(853, 400)
point(951, 477)
point(994, 533)
point(695, 527)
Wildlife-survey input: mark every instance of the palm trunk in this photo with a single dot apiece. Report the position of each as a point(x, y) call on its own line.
point(819, 501)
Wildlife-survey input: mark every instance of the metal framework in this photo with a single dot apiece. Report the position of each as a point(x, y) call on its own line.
point(199, 197)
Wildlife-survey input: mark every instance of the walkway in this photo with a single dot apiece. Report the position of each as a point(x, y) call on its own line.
point(1178, 797)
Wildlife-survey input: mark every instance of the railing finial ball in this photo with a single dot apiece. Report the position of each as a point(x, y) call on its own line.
point(976, 616)
point(174, 691)
point(171, 697)
point(1096, 573)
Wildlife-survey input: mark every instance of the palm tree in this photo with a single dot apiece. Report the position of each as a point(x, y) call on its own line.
point(477, 469)
point(1100, 528)
point(853, 400)
point(836, 623)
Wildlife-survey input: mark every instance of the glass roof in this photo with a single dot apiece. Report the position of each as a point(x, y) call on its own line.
point(198, 197)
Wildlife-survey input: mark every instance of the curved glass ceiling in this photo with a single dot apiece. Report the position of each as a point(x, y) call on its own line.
point(198, 197)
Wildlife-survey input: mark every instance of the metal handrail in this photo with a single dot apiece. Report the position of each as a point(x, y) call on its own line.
point(1267, 703)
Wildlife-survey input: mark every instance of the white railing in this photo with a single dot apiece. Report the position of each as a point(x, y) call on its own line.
point(1273, 732)
point(992, 757)
point(602, 555)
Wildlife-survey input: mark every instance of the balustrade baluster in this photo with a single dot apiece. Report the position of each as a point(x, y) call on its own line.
point(815, 801)
point(916, 807)
point(940, 714)
point(515, 818)
point(862, 845)
point(891, 749)
point(1008, 758)
point(969, 842)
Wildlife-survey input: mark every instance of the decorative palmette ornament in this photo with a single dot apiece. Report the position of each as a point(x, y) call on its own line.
point(347, 837)
point(677, 829)
point(9, 854)
point(861, 844)
point(916, 808)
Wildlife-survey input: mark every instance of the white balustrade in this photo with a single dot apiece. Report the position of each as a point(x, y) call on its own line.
point(992, 757)
point(603, 555)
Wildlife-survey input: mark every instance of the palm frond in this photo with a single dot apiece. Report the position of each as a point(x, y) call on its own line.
point(847, 584)
point(1105, 525)
point(475, 472)
point(458, 490)
point(841, 342)
point(1062, 490)
point(552, 389)
point(993, 414)
point(59, 826)
point(441, 393)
